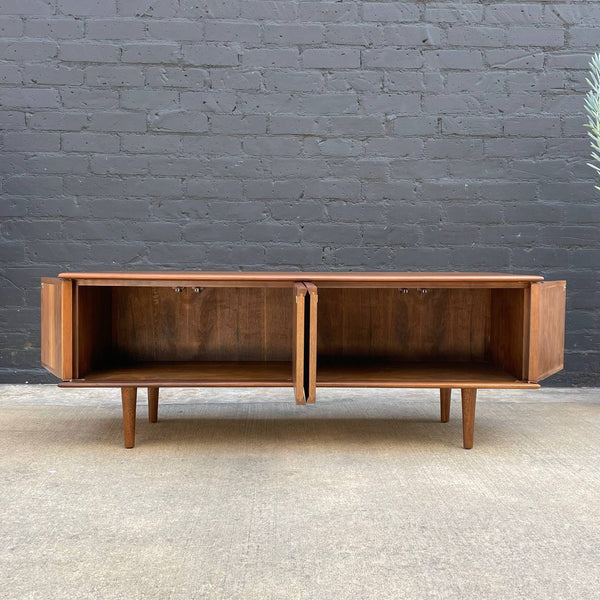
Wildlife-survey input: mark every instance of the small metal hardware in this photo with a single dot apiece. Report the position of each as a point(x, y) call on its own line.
point(197, 290)
point(403, 290)
point(423, 290)
point(178, 290)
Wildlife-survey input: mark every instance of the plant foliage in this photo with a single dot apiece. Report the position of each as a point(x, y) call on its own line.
point(592, 107)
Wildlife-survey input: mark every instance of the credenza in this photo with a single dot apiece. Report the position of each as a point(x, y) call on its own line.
point(302, 330)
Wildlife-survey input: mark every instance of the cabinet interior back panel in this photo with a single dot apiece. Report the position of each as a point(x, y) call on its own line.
point(443, 324)
point(230, 324)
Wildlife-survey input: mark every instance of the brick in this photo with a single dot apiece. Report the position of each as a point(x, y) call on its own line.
point(150, 53)
point(118, 164)
point(212, 144)
point(477, 36)
point(117, 121)
point(88, 52)
point(412, 35)
point(293, 81)
point(235, 80)
point(58, 164)
point(453, 59)
point(57, 121)
point(95, 8)
point(395, 147)
point(211, 56)
point(178, 121)
point(356, 126)
point(332, 147)
point(149, 144)
point(210, 188)
point(211, 232)
point(188, 78)
point(57, 28)
point(148, 99)
point(33, 185)
point(532, 126)
point(148, 8)
point(89, 98)
point(28, 98)
point(90, 142)
point(475, 126)
point(419, 126)
point(111, 76)
point(511, 14)
point(220, 31)
point(11, 27)
point(11, 120)
point(390, 104)
point(218, 102)
point(290, 34)
point(328, 104)
point(392, 59)
point(453, 13)
point(212, 9)
point(272, 146)
point(27, 50)
point(344, 81)
point(515, 59)
point(176, 30)
point(232, 124)
point(270, 58)
point(290, 124)
point(49, 75)
point(453, 148)
point(535, 36)
point(10, 73)
point(328, 11)
point(330, 59)
point(522, 147)
point(451, 103)
point(390, 12)
point(27, 7)
point(31, 142)
point(114, 29)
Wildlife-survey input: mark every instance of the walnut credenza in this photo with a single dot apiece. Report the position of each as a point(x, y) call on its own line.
point(303, 331)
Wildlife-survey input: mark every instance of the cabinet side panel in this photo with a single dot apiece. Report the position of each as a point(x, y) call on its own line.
point(546, 355)
point(507, 330)
point(94, 348)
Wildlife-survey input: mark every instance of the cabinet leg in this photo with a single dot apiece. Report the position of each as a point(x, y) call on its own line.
point(445, 395)
point(129, 398)
point(153, 404)
point(468, 415)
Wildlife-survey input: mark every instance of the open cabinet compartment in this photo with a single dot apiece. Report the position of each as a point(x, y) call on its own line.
point(406, 337)
point(144, 335)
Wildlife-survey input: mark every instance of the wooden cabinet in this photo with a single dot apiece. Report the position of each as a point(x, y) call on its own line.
point(303, 331)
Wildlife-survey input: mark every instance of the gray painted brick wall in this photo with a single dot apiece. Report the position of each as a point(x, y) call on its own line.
point(289, 134)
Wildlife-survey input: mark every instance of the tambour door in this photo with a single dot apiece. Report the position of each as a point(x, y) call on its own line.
point(57, 326)
point(547, 329)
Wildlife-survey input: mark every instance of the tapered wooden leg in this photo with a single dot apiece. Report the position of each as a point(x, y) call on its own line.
point(445, 395)
point(468, 415)
point(129, 398)
point(153, 404)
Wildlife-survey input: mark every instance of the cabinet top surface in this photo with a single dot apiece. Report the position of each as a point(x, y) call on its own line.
point(341, 276)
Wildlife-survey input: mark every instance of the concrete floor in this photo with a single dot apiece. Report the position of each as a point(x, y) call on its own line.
point(242, 494)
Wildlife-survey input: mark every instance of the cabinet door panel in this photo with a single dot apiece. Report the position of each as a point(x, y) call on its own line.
point(547, 329)
point(57, 344)
point(298, 365)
